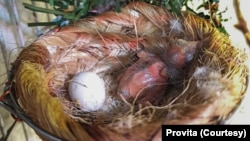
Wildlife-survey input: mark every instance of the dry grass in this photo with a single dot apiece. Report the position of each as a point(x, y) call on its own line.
point(213, 85)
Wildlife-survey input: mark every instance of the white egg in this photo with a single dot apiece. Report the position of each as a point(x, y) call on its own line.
point(88, 90)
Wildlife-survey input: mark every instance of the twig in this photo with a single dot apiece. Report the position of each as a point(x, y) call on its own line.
point(242, 25)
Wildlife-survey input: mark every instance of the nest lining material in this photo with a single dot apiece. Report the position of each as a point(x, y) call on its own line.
point(212, 84)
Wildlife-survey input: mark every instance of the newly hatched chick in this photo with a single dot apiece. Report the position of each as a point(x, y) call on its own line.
point(178, 55)
point(145, 80)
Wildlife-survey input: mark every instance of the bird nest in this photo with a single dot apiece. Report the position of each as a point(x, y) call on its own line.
point(157, 68)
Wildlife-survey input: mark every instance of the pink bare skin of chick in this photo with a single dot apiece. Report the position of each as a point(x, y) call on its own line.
point(145, 81)
point(178, 55)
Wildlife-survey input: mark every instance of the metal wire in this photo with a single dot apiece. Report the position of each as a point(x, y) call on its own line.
point(12, 5)
point(2, 126)
point(6, 136)
point(3, 49)
point(9, 103)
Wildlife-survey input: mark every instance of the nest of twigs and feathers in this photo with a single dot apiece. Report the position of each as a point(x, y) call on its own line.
point(198, 76)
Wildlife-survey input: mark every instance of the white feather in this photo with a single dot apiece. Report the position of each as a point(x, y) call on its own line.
point(176, 26)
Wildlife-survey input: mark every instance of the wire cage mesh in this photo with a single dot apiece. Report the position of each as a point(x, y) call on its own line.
point(20, 41)
point(14, 36)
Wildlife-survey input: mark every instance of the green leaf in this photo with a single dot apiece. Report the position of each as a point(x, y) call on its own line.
point(216, 1)
point(223, 30)
point(69, 15)
point(176, 6)
point(117, 6)
point(61, 5)
point(51, 3)
point(43, 24)
point(201, 5)
point(82, 12)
